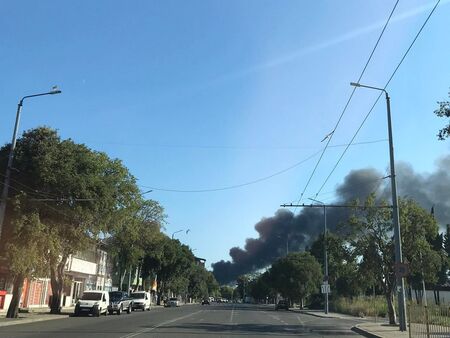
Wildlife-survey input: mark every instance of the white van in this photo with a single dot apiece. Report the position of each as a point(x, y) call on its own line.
point(93, 302)
point(141, 300)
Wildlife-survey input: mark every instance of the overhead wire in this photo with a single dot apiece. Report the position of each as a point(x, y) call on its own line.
point(31, 190)
point(379, 96)
point(256, 180)
point(330, 135)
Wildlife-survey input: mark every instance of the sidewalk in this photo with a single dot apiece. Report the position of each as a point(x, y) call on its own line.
point(35, 316)
point(379, 330)
point(371, 328)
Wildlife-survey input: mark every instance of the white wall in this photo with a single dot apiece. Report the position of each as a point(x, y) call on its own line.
point(82, 266)
point(444, 297)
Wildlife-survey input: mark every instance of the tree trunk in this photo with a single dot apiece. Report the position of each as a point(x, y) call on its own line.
point(57, 282)
point(13, 310)
point(122, 278)
point(390, 308)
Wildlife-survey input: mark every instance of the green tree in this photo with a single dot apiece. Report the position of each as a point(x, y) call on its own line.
point(226, 292)
point(443, 111)
point(25, 251)
point(261, 288)
point(343, 274)
point(372, 238)
point(296, 276)
point(77, 194)
point(171, 262)
point(130, 239)
point(213, 285)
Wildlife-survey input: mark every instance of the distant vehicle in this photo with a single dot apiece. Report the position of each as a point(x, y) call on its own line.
point(119, 302)
point(92, 302)
point(205, 301)
point(282, 304)
point(173, 302)
point(141, 300)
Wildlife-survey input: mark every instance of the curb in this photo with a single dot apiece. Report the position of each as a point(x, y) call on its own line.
point(364, 333)
point(319, 315)
point(31, 320)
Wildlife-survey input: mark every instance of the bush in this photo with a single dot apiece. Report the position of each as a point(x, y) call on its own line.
point(361, 306)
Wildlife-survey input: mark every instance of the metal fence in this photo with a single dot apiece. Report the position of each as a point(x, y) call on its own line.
point(429, 321)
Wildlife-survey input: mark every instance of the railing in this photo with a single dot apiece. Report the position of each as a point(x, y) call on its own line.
point(429, 321)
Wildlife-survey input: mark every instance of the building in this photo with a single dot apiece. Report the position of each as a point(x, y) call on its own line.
point(87, 270)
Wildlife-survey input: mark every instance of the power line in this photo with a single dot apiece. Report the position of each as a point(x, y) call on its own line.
point(31, 190)
point(330, 135)
point(237, 185)
point(378, 98)
point(259, 179)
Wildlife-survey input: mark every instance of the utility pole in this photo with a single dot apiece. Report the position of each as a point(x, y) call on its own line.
point(325, 253)
point(395, 213)
point(4, 196)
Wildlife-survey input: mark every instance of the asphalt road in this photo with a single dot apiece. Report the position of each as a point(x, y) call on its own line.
point(217, 320)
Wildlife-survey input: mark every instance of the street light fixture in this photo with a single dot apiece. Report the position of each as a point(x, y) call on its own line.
point(187, 231)
point(4, 196)
point(395, 213)
point(287, 243)
point(325, 253)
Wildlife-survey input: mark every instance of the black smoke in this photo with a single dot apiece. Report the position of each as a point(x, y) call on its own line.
point(300, 229)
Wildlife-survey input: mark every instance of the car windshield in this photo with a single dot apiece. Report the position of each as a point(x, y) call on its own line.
point(91, 296)
point(139, 295)
point(115, 295)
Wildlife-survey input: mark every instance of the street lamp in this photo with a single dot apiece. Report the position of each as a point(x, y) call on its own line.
point(325, 253)
point(395, 213)
point(287, 243)
point(5, 190)
point(187, 231)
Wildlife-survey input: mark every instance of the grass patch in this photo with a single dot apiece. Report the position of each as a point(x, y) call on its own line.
point(361, 306)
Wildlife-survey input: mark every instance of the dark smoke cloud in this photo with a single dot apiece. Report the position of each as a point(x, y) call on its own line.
point(299, 230)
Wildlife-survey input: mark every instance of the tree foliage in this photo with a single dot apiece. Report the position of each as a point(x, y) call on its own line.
point(443, 111)
point(296, 276)
point(75, 193)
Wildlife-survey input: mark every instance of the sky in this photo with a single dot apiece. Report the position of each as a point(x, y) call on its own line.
point(199, 98)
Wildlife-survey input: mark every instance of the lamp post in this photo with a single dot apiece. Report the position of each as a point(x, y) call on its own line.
point(187, 231)
point(287, 243)
point(325, 253)
point(395, 213)
point(4, 196)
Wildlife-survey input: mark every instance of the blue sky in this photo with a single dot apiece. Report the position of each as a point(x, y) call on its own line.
point(200, 95)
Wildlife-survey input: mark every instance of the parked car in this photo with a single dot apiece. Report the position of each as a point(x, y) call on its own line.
point(173, 302)
point(282, 304)
point(119, 302)
point(141, 300)
point(92, 302)
point(205, 301)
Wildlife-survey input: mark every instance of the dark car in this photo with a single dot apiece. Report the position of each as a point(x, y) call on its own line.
point(205, 302)
point(282, 304)
point(119, 302)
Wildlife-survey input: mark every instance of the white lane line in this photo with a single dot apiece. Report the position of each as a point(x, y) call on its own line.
point(232, 315)
point(148, 329)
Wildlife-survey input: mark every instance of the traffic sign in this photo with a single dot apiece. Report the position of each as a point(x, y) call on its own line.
point(325, 288)
point(401, 269)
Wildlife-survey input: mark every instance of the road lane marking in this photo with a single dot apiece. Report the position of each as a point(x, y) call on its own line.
point(232, 315)
point(149, 329)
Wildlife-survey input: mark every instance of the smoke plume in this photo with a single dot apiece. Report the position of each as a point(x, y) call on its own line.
point(297, 231)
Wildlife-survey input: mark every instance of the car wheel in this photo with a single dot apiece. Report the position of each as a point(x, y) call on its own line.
point(119, 312)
